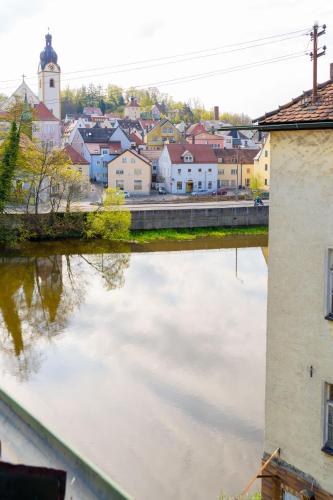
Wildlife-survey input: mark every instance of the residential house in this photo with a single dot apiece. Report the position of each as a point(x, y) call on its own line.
point(299, 368)
point(234, 167)
point(184, 168)
point(92, 110)
point(158, 110)
point(132, 109)
point(129, 126)
point(163, 132)
point(130, 172)
point(98, 146)
point(80, 164)
point(262, 167)
point(194, 129)
point(153, 156)
point(214, 140)
point(240, 140)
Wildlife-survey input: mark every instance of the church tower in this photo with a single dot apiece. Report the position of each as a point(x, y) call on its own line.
point(49, 78)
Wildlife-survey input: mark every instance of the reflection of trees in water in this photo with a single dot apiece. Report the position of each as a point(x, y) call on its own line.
point(37, 297)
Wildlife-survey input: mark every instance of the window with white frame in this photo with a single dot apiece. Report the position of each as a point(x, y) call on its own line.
point(221, 171)
point(179, 171)
point(137, 171)
point(199, 169)
point(105, 151)
point(199, 185)
point(233, 171)
point(328, 431)
point(266, 167)
point(209, 170)
point(188, 158)
point(233, 183)
point(138, 185)
point(210, 185)
point(189, 170)
point(266, 153)
point(124, 159)
point(266, 182)
point(220, 160)
point(179, 186)
point(329, 304)
point(132, 160)
point(120, 184)
point(119, 172)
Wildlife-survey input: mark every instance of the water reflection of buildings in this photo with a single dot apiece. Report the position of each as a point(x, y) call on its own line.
point(38, 295)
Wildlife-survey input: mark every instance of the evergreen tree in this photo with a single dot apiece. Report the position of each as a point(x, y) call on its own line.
point(8, 164)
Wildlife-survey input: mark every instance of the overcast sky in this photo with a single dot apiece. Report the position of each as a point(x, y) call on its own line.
point(103, 34)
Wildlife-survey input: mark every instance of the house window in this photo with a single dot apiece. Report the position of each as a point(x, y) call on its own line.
point(266, 167)
point(188, 159)
point(209, 170)
point(233, 183)
point(189, 170)
point(247, 182)
point(266, 153)
point(265, 182)
point(210, 184)
point(179, 186)
point(199, 169)
point(119, 172)
point(137, 171)
point(221, 171)
point(138, 185)
point(179, 171)
point(124, 159)
point(120, 184)
point(233, 171)
point(105, 151)
point(233, 160)
point(215, 146)
point(51, 82)
point(132, 160)
point(199, 185)
point(98, 162)
point(329, 305)
point(248, 170)
point(225, 183)
point(220, 160)
point(328, 437)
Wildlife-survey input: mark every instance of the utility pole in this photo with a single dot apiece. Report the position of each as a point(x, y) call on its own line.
point(315, 34)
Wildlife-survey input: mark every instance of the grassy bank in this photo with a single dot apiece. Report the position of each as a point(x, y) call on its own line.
point(148, 236)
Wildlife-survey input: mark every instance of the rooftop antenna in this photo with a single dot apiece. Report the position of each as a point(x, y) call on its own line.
point(315, 33)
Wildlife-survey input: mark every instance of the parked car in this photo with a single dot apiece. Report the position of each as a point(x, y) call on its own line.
point(222, 191)
point(200, 192)
point(162, 190)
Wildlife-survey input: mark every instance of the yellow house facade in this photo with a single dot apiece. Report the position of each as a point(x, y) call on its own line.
point(130, 172)
point(234, 167)
point(164, 132)
point(262, 165)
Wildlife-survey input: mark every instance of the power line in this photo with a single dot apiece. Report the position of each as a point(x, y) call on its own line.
point(221, 71)
point(296, 34)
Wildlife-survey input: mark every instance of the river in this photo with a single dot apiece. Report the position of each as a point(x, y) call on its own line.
point(150, 360)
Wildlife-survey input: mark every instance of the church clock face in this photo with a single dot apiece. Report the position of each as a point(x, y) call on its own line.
point(51, 67)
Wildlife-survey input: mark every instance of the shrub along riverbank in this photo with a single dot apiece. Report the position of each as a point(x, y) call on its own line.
point(16, 228)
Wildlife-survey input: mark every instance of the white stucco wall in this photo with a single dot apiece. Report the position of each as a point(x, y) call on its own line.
point(298, 336)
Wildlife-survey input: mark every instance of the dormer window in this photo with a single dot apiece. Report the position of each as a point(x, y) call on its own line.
point(188, 157)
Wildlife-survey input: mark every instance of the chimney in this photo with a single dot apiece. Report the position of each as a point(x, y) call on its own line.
point(331, 71)
point(216, 113)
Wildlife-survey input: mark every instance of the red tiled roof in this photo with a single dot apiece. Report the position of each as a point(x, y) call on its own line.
point(195, 128)
point(202, 153)
point(43, 114)
point(231, 155)
point(76, 158)
point(301, 109)
point(133, 152)
point(135, 138)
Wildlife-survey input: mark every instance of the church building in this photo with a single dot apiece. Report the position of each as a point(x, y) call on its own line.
point(46, 126)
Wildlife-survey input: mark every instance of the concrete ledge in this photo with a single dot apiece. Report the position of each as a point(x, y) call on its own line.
point(102, 485)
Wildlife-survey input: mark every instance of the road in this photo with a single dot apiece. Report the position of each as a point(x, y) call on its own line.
point(188, 206)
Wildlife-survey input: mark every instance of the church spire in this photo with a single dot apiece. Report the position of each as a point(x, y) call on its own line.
point(48, 55)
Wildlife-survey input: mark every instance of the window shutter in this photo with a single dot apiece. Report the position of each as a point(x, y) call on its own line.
point(330, 424)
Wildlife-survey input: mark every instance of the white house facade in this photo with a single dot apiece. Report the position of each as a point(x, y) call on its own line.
point(187, 168)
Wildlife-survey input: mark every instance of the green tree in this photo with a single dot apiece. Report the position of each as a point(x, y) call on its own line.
point(8, 164)
point(113, 222)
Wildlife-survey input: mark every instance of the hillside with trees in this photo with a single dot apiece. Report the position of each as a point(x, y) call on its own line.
point(113, 99)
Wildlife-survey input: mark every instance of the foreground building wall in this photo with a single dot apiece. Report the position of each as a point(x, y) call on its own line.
point(299, 338)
